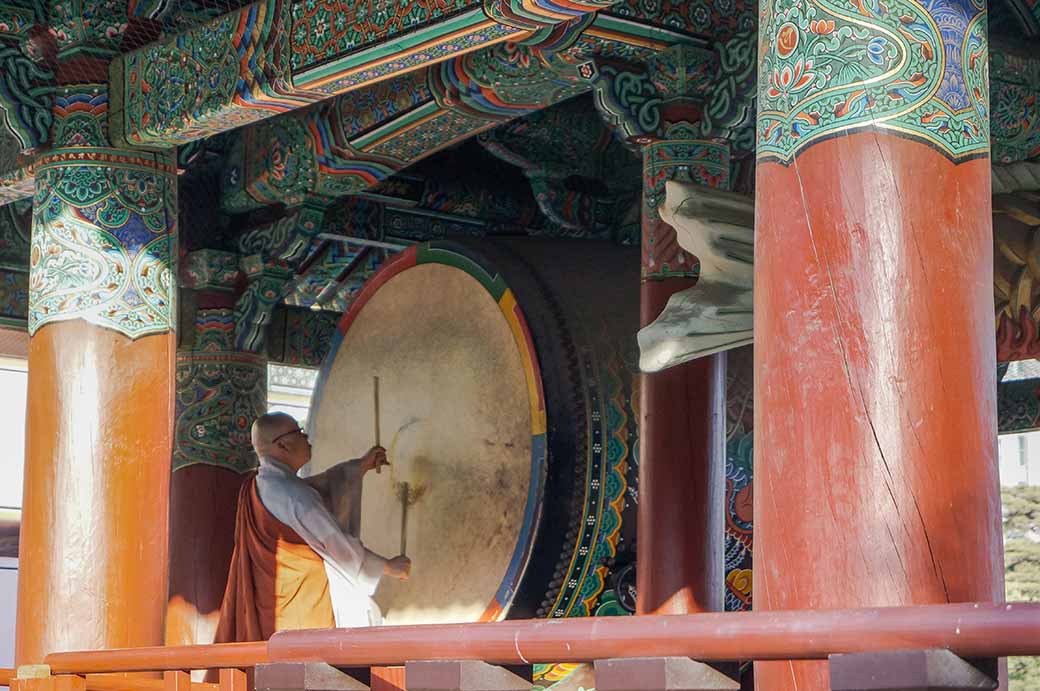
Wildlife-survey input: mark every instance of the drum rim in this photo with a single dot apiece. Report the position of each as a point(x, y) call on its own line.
point(484, 273)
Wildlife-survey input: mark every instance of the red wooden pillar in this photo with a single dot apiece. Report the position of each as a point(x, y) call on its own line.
point(93, 562)
point(875, 470)
point(220, 391)
point(682, 425)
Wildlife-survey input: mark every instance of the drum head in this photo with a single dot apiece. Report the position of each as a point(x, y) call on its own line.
point(462, 420)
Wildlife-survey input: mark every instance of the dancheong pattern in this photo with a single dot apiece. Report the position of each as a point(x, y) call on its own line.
point(218, 397)
point(104, 240)
point(219, 393)
point(678, 156)
point(229, 72)
point(323, 29)
point(918, 68)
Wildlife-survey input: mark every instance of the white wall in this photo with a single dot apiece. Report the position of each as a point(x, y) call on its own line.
point(8, 597)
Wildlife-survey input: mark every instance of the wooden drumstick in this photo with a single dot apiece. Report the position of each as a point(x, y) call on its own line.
point(375, 396)
point(408, 494)
point(404, 518)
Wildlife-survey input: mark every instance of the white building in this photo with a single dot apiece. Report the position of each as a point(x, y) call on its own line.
point(1019, 459)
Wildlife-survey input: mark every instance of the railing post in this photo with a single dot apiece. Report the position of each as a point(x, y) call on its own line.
point(304, 676)
point(907, 670)
point(176, 681)
point(461, 675)
point(661, 674)
point(388, 678)
point(233, 680)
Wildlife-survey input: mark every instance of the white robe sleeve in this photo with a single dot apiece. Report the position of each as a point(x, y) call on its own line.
point(359, 566)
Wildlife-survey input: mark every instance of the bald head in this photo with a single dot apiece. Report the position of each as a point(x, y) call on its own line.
point(278, 436)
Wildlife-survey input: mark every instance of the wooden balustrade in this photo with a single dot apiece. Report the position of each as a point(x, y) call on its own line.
point(106, 682)
point(970, 630)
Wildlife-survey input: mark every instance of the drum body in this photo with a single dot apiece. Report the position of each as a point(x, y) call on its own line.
point(505, 386)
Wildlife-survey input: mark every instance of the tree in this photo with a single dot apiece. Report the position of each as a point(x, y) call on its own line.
point(1022, 569)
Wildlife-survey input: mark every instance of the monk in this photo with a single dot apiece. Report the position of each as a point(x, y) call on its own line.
point(293, 567)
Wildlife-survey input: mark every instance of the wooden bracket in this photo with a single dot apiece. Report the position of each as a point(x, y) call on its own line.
point(907, 670)
point(661, 674)
point(33, 672)
point(304, 676)
point(461, 675)
point(32, 678)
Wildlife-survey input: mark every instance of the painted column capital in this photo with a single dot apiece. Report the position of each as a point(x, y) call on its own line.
point(104, 241)
point(918, 70)
point(684, 159)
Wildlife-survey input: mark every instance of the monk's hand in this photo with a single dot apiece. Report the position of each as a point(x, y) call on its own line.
point(374, 459)
point(399, 567)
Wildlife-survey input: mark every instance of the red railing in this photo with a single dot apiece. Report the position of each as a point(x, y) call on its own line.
point(970, 630)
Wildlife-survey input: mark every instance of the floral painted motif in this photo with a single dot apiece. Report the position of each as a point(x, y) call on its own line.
point(93, 27)
point(104, 240)
point(827, 67)
point(226, 73)
point(324, 29)
point(1015, 118)
point(740, 397)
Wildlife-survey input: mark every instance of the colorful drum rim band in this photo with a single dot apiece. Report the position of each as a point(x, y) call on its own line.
point(479, 269)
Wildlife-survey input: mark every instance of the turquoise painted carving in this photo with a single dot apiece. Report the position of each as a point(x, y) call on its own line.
point(15, 22)
point(14, 298)
point(81, 116)
point(229, 72)
point(916, 69)
point(15, 221)
point(1015, 118)
point(326, 29)
point(91, 28)
point(678, 156)
point(268, 283)
point(219, 394)
point(533, 15)
point(26, 96)
point(355, 141)
point(729, 111)
point(210, 270)
point(288, 238)
point(104, 241)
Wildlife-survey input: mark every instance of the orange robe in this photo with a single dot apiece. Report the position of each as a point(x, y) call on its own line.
point(276, 580)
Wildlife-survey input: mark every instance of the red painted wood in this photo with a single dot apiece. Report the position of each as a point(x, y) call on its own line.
point(387, 679)
point(203, 501)
point(875, 416)
point(680, 528)
point(969, 630)
point(93, 563)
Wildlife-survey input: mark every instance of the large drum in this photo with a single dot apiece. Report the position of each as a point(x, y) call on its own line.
point(505, 386)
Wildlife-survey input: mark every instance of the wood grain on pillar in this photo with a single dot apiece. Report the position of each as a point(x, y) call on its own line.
point(875, 416)
point(681, 477)
point(93, 557)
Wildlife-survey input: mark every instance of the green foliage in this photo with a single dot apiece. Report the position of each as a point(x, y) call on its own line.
point(1022, 570)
